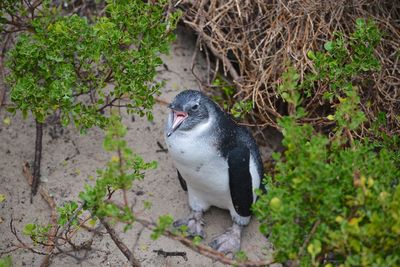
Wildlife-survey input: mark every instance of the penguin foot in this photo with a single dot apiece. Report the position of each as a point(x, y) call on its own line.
point(194, 224)
point(228, 242)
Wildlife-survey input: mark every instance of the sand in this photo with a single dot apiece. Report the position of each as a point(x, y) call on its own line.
point(69, 159)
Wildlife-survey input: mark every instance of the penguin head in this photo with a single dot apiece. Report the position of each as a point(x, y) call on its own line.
point(188, 109)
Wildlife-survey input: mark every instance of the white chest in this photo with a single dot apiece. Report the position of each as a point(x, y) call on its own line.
point(204, 170)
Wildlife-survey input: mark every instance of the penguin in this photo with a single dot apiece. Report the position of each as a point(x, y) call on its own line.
point(218, 163)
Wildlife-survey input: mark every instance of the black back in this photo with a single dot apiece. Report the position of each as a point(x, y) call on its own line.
point(240, 182)
point(236, 144)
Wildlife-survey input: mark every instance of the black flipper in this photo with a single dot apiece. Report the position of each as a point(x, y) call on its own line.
point(182, 181)
point(240, 182)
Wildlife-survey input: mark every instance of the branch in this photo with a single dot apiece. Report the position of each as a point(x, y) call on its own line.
point(38, 158)
point(53, 220)
point(21, 243)
point(208, 40)
point(108, 104)
point(171, 253)
point(306, 241)
point(199, 248)
point(120, 244)
point(203, 249)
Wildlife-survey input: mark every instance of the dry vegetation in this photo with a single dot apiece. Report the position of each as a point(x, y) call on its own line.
point(252, 40)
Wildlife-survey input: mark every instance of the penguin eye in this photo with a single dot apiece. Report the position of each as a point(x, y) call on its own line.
point(195, 107)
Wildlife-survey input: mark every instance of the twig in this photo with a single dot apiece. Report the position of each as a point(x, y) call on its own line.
point(53, 219)
point(202, 249)
point(21, 243)
point(108, 104)
point(199, 248)
point(165, 254)
point(162, 148)
point(38, 158)
point(227, 63)
point(2, 84)
point(120, 244)
point(306, 241)
point(161, 101)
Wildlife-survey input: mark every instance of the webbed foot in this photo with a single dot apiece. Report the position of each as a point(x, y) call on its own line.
point(194, 224)
point(228, 242)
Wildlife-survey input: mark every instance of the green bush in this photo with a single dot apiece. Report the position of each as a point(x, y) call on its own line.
point(79, 67)
point(334, 200)
point(350, 195)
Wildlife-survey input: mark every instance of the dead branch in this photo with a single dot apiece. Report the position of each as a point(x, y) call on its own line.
point(120, 244)
point(166, 254)
point(203, 249)
point(199, 248)
point(254, 39)
point(53, 219)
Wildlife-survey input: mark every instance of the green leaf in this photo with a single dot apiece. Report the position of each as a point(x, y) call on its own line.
point(29, 229)
point(360, 22)
point(311, 55)
point(6, 261)
point(328, 46)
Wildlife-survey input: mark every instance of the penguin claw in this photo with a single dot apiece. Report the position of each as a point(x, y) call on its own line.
point(227, 243)
point(194, 226)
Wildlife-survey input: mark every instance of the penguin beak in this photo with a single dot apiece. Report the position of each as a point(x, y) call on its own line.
point(178, 118)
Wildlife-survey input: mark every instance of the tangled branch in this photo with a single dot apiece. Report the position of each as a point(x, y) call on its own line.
point(254, 39)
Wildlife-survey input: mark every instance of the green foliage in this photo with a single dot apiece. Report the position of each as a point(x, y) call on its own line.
point(288, 88)
point(197, 240)
point(238, 109)
point(320, 181)
point(71, 65)
point(345, 59)
point(6, 261)
point(36, 232)
point(241, 108)
point(330, 202)
point(164, 222)
point(241, 256)
point(348, 114)
point(67, 213)
point(123, 168)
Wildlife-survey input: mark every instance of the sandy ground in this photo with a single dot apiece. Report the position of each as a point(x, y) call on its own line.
point(70, 158)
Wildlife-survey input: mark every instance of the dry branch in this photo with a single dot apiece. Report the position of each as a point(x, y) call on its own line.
point(203, 249)
point(254, 40)
point(120, 244)
point(53, 219)
point(171, 253)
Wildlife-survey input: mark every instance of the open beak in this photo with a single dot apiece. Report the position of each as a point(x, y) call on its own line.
point(178, 118)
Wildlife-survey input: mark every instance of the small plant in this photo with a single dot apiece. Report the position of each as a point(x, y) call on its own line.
point(76, 68)
point(98, 205)
point(288, 89)
point(345, 59)
point(123, 168)
point(334, 201)
point(326, 200)
point(37, 233)
point(238, 109)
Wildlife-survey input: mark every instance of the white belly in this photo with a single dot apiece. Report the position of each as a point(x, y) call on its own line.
point(205, 172)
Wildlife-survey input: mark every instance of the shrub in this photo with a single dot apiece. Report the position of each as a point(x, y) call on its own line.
point(76, 68)
point(341, 204)
point(63, 58)
point(334, 200)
